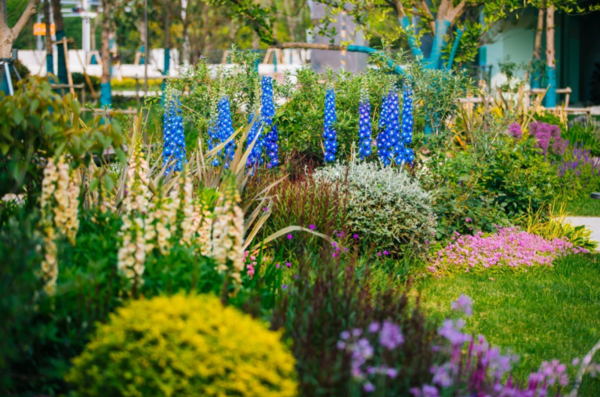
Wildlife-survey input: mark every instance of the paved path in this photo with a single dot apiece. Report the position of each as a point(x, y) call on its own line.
point(592, 223)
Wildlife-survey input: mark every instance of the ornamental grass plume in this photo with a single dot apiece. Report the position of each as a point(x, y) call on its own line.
point(174, 154)
point(364, 125)
point(508, 248)
point(329, 132)
point(267, 115)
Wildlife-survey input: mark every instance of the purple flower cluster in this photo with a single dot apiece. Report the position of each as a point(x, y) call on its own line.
point(508, 247)
point(579, 166)
point(477, 369)
point(515, 131)
point(367, 350)
point(548, 137)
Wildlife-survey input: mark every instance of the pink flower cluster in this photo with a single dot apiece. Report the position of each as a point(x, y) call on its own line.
point(508, 247)
point(250, 263)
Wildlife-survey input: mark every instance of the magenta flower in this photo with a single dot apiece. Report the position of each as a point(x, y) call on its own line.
point(283, 286)
point(386, 253)
point(312, 227)
point(379, 254)
point(288, 264)
point(355, 236)
point(289, 236)
point(369, 388)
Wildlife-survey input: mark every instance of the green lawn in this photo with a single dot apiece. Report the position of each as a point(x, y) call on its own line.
point(583, 205)
point(542, 314)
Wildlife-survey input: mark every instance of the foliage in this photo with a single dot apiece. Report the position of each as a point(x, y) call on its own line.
point(39, 124)
point(386, 206)
point(302, 201)
point(79, 78)
point(19, 284)
point(330, 295)
point(586, 135)
point(184, 345)
point(492, 182)
point(552, 223)
point(543, 314)
point(506, 249)
point(438, 92)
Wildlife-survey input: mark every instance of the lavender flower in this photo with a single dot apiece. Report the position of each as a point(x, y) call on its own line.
point(329, 133)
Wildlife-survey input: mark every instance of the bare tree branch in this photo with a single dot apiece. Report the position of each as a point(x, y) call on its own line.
point(29, 11)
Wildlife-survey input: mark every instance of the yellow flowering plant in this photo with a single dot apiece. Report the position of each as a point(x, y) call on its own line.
point(183, 345)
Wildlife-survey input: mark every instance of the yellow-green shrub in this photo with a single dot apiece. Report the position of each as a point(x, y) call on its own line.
point(183, 345)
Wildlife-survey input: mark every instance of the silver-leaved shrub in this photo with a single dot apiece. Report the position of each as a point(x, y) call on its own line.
point(385, 206)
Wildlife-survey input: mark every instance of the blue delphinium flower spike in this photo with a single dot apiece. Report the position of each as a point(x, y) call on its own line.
point(329, 133)
point(407, 123)
point(174, 153)
point(267, 114)
point(226, 130)
point(255, 157)
point(364, 126)
point(395, 145)
point(382, 138)
point(214, 135)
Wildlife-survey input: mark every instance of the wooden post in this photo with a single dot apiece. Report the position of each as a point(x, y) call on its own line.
point(69, 76)
point(550, 62)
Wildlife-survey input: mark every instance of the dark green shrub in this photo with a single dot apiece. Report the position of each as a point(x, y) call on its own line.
point(476, 190)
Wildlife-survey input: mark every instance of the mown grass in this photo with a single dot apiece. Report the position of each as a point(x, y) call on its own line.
point(540, 315)
point(583, 205)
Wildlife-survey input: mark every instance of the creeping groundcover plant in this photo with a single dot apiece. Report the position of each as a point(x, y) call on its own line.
point(510, 247)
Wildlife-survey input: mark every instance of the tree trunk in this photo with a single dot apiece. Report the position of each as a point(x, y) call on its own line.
point(550, 62)
point(8, 35)
point(60, 49)
point(105, 89)
point(49, 53)
point(167, 44)
point(537, 50)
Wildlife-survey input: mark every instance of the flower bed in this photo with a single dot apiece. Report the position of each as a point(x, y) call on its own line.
point(508, 248)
